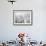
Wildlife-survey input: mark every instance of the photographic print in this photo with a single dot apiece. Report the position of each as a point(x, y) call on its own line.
point(22, 17)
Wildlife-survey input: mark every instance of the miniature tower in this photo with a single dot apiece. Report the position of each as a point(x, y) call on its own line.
point(21, 36)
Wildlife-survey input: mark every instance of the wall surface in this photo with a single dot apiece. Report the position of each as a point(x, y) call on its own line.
point(37, 31)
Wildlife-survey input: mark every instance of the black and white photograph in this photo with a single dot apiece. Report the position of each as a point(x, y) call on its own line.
point(22, 16)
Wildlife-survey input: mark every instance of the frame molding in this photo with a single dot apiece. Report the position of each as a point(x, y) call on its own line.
point(24, 24)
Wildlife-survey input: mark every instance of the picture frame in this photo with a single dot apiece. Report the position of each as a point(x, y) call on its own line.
point(22, 17)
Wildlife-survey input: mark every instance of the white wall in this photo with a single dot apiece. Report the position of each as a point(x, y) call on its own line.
point(38, 30)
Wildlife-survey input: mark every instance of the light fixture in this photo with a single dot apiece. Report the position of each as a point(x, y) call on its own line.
point(12, 1)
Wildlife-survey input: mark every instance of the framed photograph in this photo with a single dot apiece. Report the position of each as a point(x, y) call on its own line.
point(22, 17)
